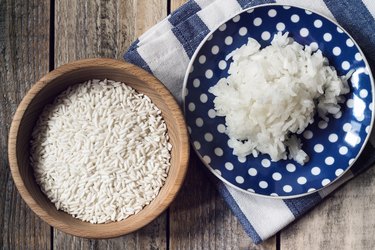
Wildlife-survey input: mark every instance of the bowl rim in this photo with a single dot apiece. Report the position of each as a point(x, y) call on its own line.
point(163, 203)
point(339, 178)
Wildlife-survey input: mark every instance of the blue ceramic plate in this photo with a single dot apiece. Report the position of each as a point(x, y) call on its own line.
point(333, 147)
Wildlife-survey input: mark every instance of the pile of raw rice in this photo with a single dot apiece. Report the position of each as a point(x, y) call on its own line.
point(100, 152)
point(273, 93)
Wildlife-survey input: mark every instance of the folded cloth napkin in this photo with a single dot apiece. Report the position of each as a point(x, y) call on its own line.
point(165, 51)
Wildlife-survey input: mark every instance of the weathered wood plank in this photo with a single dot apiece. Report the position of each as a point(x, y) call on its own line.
point(24, 58)
point(344, 221)
point(106, 29)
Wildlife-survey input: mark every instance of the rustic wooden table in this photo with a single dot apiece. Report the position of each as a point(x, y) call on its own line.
point(36, 36)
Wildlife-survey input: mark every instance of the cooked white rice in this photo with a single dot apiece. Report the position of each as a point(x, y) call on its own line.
point(272, 94)
point(100, 152)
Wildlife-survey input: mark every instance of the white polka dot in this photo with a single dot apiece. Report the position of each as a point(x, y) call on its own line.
point(202, 59)
point(266, 163)
point(339, 30)
point(191, 106)
point(308, 134)
point(252, 172)
point(315, 170)
point(287, 188)
point(209, 74)
point(240, 179)
point(223, 27)
point(314, 46)
point(229, 166)
point(350, 103)
point(263, 184)
point(308, 12)
point(336, 51)
point(241, 159)
point(189, 129)
point(272, 13)
point(290, 167)
point(230, 143)
point(349, 42)
point(333, 138)
point(360, 117)
point(311, 189)
point(219, 152)
point(327, 37)
point(351, 161)
point(273, 194)
point(203, 98)
point(286, 7)
point(363, 93)
point(250, 11)
point(339, 172)
point(301, 180)
point(196, 83)
point(318, 148)
point(211, 113)
point(358, 56)
point(347, 127)
point(318, 23)
point(325, 182)
point(266, 35)
point(280, 26)
point(345, 65)
point(186, 92)
point(191, 69)
point(228, 40)
point(197, 145)
point(337, 115)
point(208, 137)
point(236, 18)
point(222, 64)
point(322, 124)
point(207, 159)
point(329, 160)
point(371, 106)
point(215, 49)
point(304, 32)
point(276, 176)
point(242, 31)
point(218, 171)
point(257, 21)
point(343, 150)
point(199, 122)
point(221, 128)
point(294, 18)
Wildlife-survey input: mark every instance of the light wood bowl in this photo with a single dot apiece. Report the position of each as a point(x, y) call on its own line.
point(44, 92)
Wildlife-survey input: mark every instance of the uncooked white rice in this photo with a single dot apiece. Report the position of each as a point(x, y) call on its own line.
point(272, 93)
point(100, 152)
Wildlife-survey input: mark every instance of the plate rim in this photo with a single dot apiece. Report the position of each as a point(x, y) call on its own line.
point(365, 142)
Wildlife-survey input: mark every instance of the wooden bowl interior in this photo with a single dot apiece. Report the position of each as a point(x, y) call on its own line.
point(46, 91)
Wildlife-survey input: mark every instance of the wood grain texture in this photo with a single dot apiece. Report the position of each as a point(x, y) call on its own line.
point(23, 59)
point(177, 3)
point(344, 221)
point(86, 29)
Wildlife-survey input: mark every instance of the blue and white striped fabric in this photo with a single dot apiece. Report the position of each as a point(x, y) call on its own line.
point(165, 51)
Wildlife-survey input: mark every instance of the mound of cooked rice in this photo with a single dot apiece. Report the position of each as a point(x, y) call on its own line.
point(271, 94)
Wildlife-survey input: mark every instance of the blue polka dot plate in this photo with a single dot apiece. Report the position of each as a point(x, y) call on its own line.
point(332, 146)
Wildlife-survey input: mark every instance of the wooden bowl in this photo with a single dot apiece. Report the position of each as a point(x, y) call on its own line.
point(44, 92)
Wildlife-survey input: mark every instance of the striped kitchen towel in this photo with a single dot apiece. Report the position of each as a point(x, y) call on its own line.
point(165, 51)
